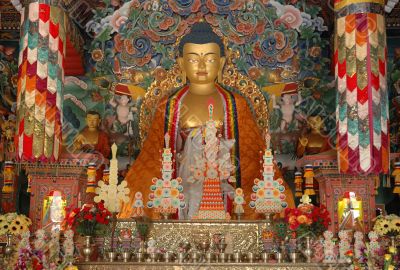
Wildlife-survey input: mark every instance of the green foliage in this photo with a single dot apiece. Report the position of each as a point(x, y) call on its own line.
point(92, 228)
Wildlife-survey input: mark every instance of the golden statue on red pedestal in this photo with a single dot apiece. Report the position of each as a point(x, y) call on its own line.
point(183, 115)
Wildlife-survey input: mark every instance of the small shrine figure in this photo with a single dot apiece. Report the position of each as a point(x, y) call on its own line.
point(329, 248)
point(315, 141)
point(91, 139)
point(344, 245)
point(287, 107)
point(124, 112)
point(359, 244)
point(350, 212)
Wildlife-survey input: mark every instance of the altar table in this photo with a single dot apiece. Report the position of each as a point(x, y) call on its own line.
point(204, 266)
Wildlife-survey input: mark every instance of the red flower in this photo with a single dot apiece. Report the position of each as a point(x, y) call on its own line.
point(294, 226)
point(86, 207)
point(100, 218)
point(100, 205)
point(88, 216)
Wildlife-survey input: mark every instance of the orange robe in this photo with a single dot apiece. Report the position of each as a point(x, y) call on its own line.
point(148, 163)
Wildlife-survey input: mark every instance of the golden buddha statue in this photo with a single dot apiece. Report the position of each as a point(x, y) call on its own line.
point(313, 142)
point(183, 115)
point(91, 139)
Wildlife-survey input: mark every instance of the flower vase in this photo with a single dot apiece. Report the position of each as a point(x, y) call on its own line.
point(87, 248)
point(9, 248)
point(308, 252)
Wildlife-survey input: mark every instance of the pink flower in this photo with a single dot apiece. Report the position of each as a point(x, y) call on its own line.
point(291, 17)
point(117, 20)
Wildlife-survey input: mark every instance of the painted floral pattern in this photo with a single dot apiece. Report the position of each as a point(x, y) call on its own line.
point(271, 35)
point(275, 41)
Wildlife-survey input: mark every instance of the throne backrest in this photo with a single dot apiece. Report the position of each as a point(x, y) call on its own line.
point(233, 80)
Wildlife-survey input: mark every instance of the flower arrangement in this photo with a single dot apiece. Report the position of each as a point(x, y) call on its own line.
point(89, 220)
point(308, 219)
point(387, 225)
point(14, 224)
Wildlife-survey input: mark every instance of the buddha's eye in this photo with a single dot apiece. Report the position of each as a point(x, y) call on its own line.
point(193, 61)
point(210, 60)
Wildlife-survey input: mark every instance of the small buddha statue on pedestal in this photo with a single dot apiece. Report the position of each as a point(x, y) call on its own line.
point(91, 139)
point(315, 141)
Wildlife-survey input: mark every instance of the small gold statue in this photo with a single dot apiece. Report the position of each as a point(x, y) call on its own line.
point(91, 138)
point(314, 142)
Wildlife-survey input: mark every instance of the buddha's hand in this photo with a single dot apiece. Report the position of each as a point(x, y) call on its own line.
point(303, 141)
point(79, 141)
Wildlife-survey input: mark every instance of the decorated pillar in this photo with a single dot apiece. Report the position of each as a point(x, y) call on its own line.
point(362, 108)
point(40, 81)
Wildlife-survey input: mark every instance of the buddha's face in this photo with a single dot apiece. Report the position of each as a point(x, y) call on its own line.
point(201, 62)
point(92, 121)
point(315, 122)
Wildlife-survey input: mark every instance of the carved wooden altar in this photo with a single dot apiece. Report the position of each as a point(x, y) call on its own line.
point(333, 186)
point(246, 236)
point(216, 266)
point(67, 178)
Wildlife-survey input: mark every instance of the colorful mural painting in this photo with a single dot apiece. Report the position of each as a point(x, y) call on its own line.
point(135, 44)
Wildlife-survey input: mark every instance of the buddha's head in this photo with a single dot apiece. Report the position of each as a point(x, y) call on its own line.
point(93, 120)
point(316, 123)
point(201, 54)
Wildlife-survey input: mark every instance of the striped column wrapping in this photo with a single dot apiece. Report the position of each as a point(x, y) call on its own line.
point(40, 82)
point(362, 98)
